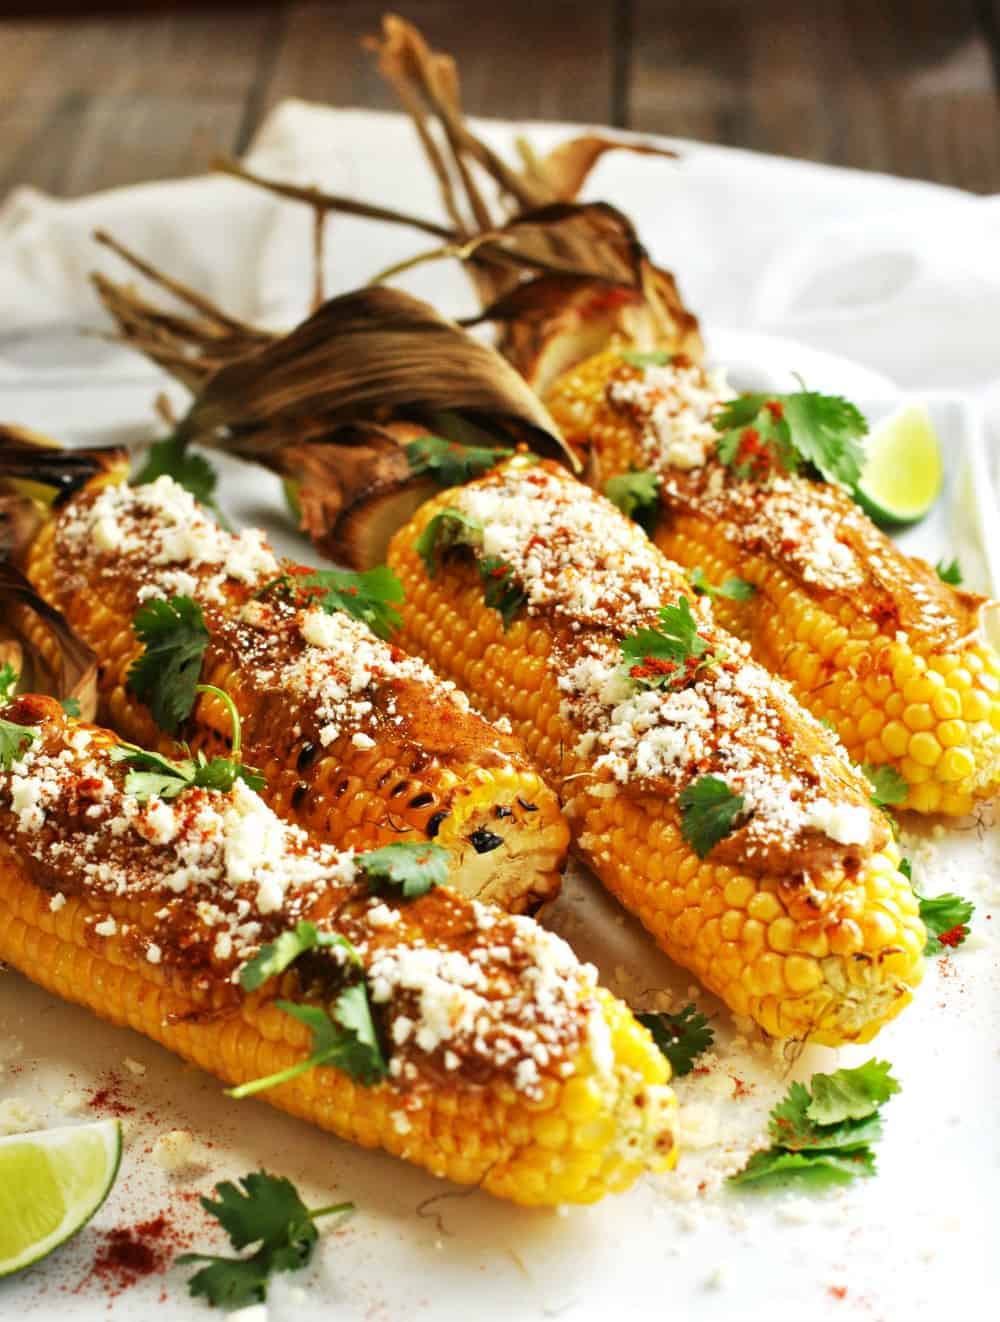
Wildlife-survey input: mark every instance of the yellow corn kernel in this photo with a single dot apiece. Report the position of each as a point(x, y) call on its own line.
point(925, 749)
point(750, 939)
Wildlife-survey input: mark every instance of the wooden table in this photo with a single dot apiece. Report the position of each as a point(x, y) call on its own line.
point(907, 86)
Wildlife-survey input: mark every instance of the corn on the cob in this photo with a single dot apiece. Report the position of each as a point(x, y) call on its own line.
point(502, 1062)
point(800, 917)
point(869, 638)
point(357, 742)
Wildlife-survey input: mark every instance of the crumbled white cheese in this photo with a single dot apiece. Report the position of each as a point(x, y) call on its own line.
point(848, 824)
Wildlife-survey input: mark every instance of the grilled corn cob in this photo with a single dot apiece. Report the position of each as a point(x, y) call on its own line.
point(501, 1062)
point(357, 742)
point(869, 638)
point(799, 917)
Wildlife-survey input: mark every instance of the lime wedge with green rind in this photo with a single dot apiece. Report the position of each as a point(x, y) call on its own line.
point(903, 471)
point(51, 1184)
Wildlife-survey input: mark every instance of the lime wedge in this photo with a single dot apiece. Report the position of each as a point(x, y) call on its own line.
point(903, 472)
point(51, 1184)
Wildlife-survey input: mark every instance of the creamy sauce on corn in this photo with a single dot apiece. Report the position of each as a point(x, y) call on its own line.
point(459, 989)
point(595, 574)
point(338, 681)
point(812, 529)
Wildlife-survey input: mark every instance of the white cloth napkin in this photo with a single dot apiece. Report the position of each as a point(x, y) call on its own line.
point(901, 275)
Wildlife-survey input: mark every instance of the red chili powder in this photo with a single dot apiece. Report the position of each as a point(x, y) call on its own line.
point(838, 1291)
point(109, 1099)
point(127, 1254)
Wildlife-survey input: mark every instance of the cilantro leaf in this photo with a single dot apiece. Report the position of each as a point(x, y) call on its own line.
point(949, 573)
point(888, 786)
point(637, 494)
point(193, 472)
point(668, 654)
point(370, 596)
point(285, 949)
point(709, 810)
point(681, 1037)
point(71, 706)
point(734, 589)
point(755, 438)
point(762, 432)
point(654, 358)
point(8, 681)
point(946, 918)
point(222, 773)
point(447, 529)
point(266, 1210)
point(822, 1134)
point(344, 1039)
point(777, 1168)
point(449, 463)
point(14, 739)
point(503, 592)
point(229, 1282)
point(154, 774)
point(165, 677)
point(851, 1094)
point(826, 432)
point(411, 868)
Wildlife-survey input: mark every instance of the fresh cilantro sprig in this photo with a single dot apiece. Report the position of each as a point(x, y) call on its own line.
point(637, 494)
point(172, 458)
point(407, 868)
point(8, 681)
point(71, 706)
point(946, 916)
point(153, 774)
point(371, 596)
point(502, 592)
point(949, 573)
point(681, 1037)
point(446, 529)
point(733, 589)
point(286, 948)
point(763, 433)
point(14, 739)
point(449, 463)
point(265, 1210)
point(822, 1135)
point(165, 677)
point(888, 786)
point(344, 1038)
point(709, 812)
point(652, 358)
point(670, 654)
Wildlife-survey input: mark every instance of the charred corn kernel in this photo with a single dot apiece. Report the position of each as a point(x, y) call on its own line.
point(434, 771)
point(591, 1124)
point(824, 644)
point(782, 950)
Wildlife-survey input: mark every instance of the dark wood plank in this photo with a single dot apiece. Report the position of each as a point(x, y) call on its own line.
point(91, 103)
point(519, 59)
point(905, 86)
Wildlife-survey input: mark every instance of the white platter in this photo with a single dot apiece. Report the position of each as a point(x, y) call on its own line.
point(916, 1242)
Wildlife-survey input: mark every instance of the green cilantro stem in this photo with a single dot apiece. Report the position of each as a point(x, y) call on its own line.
point(236, 723)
